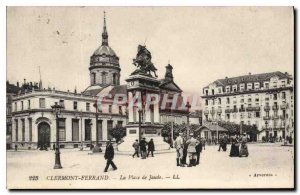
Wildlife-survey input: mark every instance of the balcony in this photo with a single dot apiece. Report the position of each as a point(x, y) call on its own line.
point(275, 107)
point(282, 117)
point(219, 111)
point(266, 108)
point(257, 108)
point(228, 110)
point(266, 117)
point(275, 117)
point(206, 112)
point(242, 110)
point(284, 106)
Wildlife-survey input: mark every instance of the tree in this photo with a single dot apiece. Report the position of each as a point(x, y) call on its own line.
point(118, 132)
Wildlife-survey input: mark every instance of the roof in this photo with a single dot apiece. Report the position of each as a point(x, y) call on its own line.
point(94, 90)
point(212, 127)
point(251, 78)
point(169, 85)
point(105, 50)
point(11, 88)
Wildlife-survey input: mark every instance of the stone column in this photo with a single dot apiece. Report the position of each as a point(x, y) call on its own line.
point(130, 108)
point(104, 129)
point(156, 113)
point(68, 127)
point(93, 129)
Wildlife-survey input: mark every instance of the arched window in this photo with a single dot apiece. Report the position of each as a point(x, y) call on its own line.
point(93, 78)
point(104, 75)
point(114, 79)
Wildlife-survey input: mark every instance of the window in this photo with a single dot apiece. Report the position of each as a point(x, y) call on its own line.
point(267, 85)
point(249, 115)
point(114, 78)
point(275, 96)
point(283, 95)
point(42, 103)
point(267, 113)
point(256, 86)
point(242, 100)
point(213, 92)
point(110, 108)
point(29, 106)
point(228, 101)
point(87, 129)
point(228, 89)
point(213, 102)
point(75, 105)
point(242, 87)
point(220, 101)
point(109, 125)
point(267, 98)
point(227, 116)
point(23, 130)
point(249, 99)
point(62, 103)
point(234, 88)
point(257, 99)
point(120, 123)
point(62, 129)
point(120, 110)
point(249, 86)
point(206, 92)
point(15, 106)
point(206, 102)
point(87, 106)
point(219, 90)
point(22, 105)
point(93, 78)
point(30, 129)
point(257, 114)
point(104, 75)
point(275, 113)
point(75, 129)
point(99, 129)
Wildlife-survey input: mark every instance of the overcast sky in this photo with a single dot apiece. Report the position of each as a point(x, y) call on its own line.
point(202, 43)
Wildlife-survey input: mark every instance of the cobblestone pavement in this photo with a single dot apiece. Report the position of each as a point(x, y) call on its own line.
point(268, 165)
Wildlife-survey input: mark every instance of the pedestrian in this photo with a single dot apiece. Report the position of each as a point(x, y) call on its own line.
point(143, 148)
point(220, 142)
point(135, 145)
point(234, 150)
point(184, 151)
point(280, 139)
point(198, 150)
point(16, 147)
point(203, 140)
point(244, 148)
point(192, 143)
point(179, 149)
point(151, 147)
point(53, 147)
point(109, 156)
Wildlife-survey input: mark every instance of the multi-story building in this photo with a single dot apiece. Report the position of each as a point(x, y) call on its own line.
point(265, 100)
point(33, 122)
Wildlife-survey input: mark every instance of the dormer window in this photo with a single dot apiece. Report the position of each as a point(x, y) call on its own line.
point(249, 86)
point(227, 89)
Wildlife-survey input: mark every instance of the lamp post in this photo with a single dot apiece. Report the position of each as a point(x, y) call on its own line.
point(56, 110)
point(188, 106)
point(96, 106)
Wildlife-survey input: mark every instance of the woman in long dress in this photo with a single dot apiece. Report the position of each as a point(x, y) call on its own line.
point(234, 150)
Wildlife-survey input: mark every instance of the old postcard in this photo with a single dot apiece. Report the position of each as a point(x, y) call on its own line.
point(150, 98)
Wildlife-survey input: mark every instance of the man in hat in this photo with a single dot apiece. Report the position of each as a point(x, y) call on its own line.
point(109, 156)
point(135, 145)
point(192, 143)
point(143, 148)
point(179, 149)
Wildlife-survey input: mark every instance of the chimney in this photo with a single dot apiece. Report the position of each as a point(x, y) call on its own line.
point(24, 81)
point(18, 84)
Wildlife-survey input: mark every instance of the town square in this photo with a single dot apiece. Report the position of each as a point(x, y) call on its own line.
point(101, 99)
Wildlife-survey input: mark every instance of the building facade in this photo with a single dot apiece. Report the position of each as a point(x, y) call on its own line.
point(265, 100)
point(34, 123)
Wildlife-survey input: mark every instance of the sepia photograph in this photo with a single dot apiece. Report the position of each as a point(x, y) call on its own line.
point(150, 97)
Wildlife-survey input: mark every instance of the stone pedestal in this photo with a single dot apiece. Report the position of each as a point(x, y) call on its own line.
point(143, 86)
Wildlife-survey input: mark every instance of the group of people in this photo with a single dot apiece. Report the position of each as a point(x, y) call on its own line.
point(239, 146)
point(142, 147)
point(191, 147)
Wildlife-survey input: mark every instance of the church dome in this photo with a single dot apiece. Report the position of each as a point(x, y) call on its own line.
point(104, 50)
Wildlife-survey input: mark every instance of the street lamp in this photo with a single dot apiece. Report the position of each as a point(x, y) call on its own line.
point(188, 106)
point(96, 106)
point(56, 110)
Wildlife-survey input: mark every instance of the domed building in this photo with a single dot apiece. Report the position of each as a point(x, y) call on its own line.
point(104, 66)
point(33, 121)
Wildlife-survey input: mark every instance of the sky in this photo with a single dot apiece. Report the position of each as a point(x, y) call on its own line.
point(202, 44)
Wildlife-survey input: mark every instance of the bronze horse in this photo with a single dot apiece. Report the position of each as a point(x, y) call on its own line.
point(143, 61)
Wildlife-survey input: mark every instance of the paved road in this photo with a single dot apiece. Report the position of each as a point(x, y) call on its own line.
point(272, 163)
